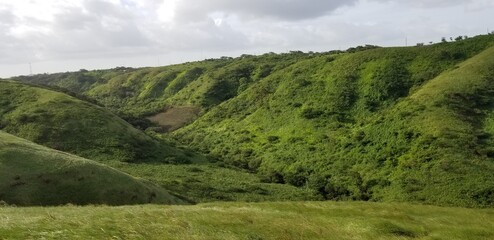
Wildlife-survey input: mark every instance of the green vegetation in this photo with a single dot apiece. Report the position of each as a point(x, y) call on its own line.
point(411, 124)
point(68, 124)
point(34, 175)
point(356, 128)
point(210, 182)
point(293, 220)
point(134, 93)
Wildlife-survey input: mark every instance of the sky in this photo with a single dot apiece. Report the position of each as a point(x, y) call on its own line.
point(46, 36)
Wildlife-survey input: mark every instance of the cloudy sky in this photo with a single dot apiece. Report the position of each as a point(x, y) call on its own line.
point(68, 35)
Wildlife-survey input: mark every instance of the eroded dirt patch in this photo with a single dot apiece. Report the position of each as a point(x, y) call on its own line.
point(175, 117)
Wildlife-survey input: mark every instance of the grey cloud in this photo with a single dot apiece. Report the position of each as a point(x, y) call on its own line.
point(102, 8)
point(429, 3)
point(73, 19)
point(99, 29)
point(291, 10)
point(6, 17)
point(102, 24)
point(198, 36)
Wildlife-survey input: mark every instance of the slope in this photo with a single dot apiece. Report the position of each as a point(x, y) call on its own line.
point(68, 124)
point(34, 175)
point(349, 126)
point(142, 92)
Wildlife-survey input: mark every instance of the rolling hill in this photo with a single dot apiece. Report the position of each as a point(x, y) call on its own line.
point(31, 174)
point(379, 124)
point(68, 124)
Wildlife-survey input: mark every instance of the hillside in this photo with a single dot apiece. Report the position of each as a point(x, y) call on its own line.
point(386, 124)
point(68, 124)
point(34, 175)
point(275, 220)
point(379, 124)
point(148, 91)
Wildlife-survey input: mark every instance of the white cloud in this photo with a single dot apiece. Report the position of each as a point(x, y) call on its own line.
point(70, 32)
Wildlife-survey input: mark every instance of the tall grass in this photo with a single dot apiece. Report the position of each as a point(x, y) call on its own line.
point(293, 220)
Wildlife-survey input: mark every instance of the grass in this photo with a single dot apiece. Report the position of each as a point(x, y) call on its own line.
point(207, 182)
point(31, 174)
point(274, 220)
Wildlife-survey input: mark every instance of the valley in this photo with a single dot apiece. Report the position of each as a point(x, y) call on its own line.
point(371, 142)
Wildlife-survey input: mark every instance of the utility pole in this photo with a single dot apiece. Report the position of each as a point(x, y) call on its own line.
point(30, 69)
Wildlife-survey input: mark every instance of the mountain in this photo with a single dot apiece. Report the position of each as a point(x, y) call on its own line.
point(69, 124)
point(31, 174)
point(369, 123)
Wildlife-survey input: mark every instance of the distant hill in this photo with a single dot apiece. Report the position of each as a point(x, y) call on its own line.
point(379, 124)
point(34, 175)
point(68, 124)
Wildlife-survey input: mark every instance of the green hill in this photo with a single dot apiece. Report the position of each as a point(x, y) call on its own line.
point(379, 124)
point(405, 124)
point(147, 91)
point(34, 175)
point(68, 124)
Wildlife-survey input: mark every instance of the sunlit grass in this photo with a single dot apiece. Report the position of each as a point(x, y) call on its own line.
point(290, 220)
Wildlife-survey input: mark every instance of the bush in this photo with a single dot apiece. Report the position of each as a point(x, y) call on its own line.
point(310, 113)
point(273, 139)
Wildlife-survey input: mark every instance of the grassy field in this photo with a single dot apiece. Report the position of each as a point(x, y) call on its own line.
point(31, 174)
point(278, 220)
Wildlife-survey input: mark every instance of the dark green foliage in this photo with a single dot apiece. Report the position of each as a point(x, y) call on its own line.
point(310, 113)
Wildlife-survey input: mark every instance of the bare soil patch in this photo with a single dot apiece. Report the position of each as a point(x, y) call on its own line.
point(175, 117)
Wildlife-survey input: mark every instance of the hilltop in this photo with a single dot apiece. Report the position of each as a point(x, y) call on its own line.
point(379, 124)
point(31, 174)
